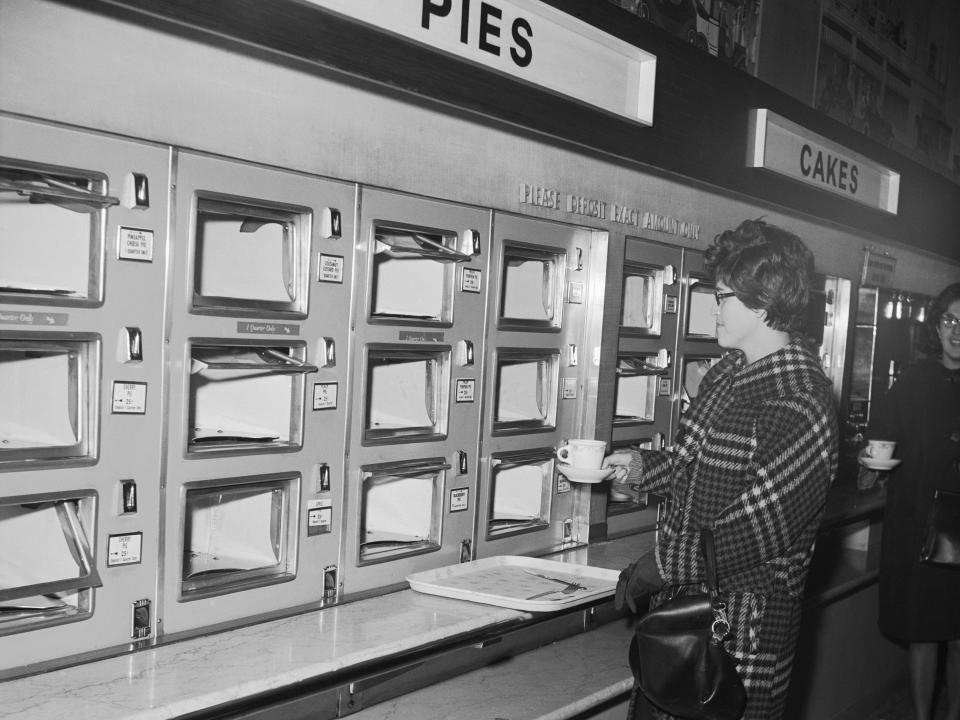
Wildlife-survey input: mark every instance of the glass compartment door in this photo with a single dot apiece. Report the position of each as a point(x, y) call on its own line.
point(47, 571)
point(83, 277)
point(238, 535)
point(260, 294)
point(52, 230)
point(545, 317)
point(697, 348)
point(49, 406)
point(419, 308)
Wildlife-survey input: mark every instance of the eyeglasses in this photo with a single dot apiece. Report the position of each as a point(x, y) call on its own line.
point(951, 322)
point(721, 296)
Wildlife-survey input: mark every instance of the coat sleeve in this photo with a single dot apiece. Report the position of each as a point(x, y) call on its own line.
point(791, 465)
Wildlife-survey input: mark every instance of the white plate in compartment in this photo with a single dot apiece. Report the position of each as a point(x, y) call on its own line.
point(518, 582)
point(876, 464)
point(584, 475)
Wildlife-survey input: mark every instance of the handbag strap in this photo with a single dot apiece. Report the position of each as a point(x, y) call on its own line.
point(721, 625)
point(709, 559)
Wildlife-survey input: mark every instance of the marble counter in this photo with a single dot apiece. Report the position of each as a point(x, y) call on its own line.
point(189, 675)
point(562, 680)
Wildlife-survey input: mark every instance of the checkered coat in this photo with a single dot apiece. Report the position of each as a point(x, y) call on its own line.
point(754, 458)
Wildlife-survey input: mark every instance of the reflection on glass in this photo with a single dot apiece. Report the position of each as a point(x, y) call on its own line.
point(529, 286)
point(701, 318)
point(406, 393)
point(399, 514)
point(636, 397)
point(639, 301)
point(41, 398)
point(525, 390)
point(520, 494)
point(238, 535)
point(232, 529)
point(694, 370)
point(246, 253)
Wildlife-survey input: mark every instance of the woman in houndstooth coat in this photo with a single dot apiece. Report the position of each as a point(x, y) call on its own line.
point(754, 457)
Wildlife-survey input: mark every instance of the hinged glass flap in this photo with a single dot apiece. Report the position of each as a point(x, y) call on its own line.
point(76, 193)
point(257, 359)
point(633, 365)
point(46, 552)
point(405, 244)
point(51, 228)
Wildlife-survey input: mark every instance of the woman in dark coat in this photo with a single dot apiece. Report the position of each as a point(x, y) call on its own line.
point(754, 458)
point(920, 604)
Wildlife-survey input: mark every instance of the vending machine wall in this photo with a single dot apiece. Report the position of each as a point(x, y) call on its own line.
point(82, 271)
point(697, 348)
point(544, 319)
point(259, 354)
point(649, 305)
point(417, 388)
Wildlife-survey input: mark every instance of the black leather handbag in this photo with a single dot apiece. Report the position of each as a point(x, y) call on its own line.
point(941, 547)
point(677, 654)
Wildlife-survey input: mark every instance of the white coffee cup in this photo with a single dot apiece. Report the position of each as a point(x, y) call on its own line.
point(587, 454)
point(880, 449)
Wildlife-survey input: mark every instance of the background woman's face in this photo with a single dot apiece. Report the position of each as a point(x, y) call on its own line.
point(949, 331)
point(736, 323)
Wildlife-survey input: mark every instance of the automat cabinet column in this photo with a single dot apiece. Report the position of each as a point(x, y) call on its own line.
point(84, 251)
point(417, 390)
point(641, 401)
point(544, 317)
point(259, 362)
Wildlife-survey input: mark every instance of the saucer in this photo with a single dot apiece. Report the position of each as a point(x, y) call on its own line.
point(584, 475)
point(875, 464)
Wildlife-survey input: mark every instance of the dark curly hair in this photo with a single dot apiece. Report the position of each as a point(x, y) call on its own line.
point(931, 340)
point(768, 268)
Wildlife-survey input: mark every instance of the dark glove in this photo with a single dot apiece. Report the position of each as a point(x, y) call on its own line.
point(639, 578)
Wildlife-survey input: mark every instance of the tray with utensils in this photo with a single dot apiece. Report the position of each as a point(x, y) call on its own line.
point(518, 582)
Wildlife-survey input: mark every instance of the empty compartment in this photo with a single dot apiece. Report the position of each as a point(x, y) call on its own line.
point(250, 257)
point(412, 273)
point(48, 409)
point(238, 534)
point(51, 233)
point(701, 310)
point(245, 397)
point(642, 299)
point(531, 286)
point(400, 509)
point(521, 485)
point(693, 369)
point(637, 386)
point(47, 569)
point(407, 393)
point(526, 390)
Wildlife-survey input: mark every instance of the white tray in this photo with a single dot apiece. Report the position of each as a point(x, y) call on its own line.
point(514, 581)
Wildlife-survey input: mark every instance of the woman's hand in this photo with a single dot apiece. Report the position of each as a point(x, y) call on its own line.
point(620, 462)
